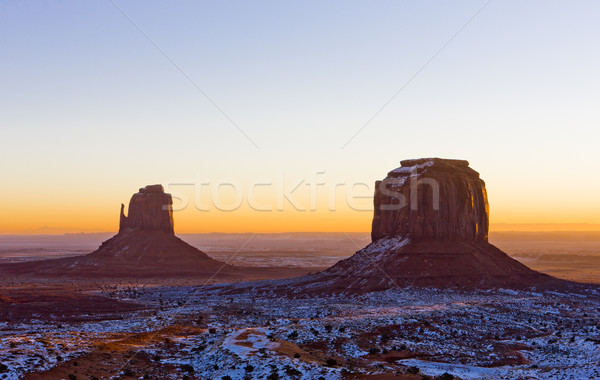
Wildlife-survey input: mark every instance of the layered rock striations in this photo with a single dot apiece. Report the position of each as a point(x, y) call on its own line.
point(430, 229)
point(431, 198)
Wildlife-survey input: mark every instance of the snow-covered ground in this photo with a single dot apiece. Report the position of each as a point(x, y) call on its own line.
point(472, 335)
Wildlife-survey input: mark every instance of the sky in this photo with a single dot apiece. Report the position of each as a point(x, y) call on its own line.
point(231, 104)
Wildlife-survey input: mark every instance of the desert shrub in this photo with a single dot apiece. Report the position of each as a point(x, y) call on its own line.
point(187, 368)
point(296, 355)
point(328, 328)
point(293, 335)
point(445, 376)
point(373, 350)
point(414, 370)
point(127, 372)
point(199, 348)
point(249, 368)
point(290, 371)
point(331, 362)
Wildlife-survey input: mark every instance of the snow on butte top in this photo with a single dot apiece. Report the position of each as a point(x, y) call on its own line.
point(431, 199)
point(434, 160)
point(420, 165)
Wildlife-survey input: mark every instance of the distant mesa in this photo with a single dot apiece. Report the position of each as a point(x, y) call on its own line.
point(430, 229)
point(146, 237)
point(145, 246)
point(149, 209)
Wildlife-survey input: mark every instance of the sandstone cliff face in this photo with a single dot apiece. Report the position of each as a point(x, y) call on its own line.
point(431, 199)
point(430, 229)
point(149, 209)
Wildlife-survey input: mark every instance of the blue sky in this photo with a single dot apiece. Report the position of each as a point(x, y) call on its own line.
point(88, 102)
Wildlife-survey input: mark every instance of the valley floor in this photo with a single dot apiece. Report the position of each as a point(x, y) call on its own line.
point(200, 332)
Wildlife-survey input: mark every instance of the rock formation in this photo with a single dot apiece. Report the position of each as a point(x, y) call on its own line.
point(145, 246)
point(430, 229)
point(146, 237)
point(431, 199)
point(149, 209)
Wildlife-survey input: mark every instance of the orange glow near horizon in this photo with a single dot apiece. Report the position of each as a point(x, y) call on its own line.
point(294, 94)
point(79, 215)
point(57, 210)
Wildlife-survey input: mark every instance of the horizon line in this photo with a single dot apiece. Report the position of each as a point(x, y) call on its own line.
point(495, 227)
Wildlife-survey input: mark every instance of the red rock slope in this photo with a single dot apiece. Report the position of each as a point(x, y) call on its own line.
point(430, 229)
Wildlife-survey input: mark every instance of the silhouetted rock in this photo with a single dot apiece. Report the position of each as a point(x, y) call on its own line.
point(149, 209)
point(146, 239)
point(145, 246)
